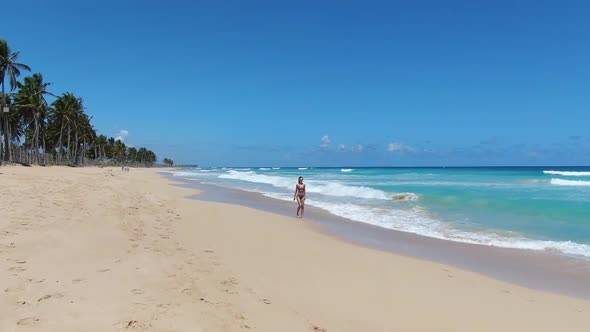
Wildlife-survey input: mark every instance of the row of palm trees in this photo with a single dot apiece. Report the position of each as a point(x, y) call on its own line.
point(34, 131)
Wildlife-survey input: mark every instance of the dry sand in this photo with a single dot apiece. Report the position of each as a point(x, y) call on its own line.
point(90, 249)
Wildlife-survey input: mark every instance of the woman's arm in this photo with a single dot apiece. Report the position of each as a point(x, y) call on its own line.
point(295, 194)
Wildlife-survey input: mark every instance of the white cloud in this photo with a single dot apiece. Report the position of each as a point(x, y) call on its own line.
point(399, 147)
point(122, 135)
point(359, 148)
point(342, 147)
point(325, 141)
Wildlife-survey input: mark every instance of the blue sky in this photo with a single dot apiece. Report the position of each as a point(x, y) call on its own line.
point(322, 83)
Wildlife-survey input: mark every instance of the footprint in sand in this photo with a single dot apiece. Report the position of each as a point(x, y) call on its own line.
point(77, 280)
point(12, 289)
point(103, 270)
point(137, 291)
point(318, 329)
point(50, 296)
point(229, 281)
point(36, 281)
point(27, 321)
point(187, 291)
point(17, 269)
point(133, 325)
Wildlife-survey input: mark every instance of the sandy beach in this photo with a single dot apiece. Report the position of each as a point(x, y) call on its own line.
point(97, 249)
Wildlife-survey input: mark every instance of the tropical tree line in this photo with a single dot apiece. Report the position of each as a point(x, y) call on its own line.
point(36, 131)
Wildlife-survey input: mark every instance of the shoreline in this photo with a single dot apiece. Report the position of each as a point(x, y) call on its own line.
point(535, 269)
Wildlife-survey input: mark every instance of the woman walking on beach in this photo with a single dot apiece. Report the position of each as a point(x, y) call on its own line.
point(300, 197)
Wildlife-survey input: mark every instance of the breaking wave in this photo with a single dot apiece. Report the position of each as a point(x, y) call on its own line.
point(567, 173)
point(561, 182)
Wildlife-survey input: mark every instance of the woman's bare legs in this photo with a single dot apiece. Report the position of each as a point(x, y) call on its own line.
point(300, 206)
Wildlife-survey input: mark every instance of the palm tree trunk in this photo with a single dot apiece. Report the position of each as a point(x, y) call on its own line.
point(36, 138)
point(6, 138)
point(2, 110)
point(76, 144)
point(8, 154)
point(69, 132)
point(44, 150)
point(60, 143)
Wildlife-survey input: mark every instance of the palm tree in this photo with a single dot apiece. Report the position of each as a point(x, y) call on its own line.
point(132, 155)
point(100, 144)
point(119, 151)
point(13, 121)
point(30, 100)
point(84, 134)
point(66, 115)
point(8, 66)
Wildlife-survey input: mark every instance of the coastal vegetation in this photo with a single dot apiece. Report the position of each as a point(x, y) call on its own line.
point(36, 131)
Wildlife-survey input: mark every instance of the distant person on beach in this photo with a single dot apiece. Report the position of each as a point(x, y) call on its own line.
point(300, 197)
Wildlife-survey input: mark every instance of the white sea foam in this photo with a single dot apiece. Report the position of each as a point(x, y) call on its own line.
point(275, 181)
point(276, 168)
point(418, 222)
point(561, 182)
point(567, 173)
point(318, 187)
point(183, 173)
point(302, 168)
point(337, 189)
point(346, 170)
point(264, 169)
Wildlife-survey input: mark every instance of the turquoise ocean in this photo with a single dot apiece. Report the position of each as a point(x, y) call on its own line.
point(538, 208)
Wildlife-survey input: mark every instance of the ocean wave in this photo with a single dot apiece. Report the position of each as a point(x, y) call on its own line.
point(346, 170)
point(323, 187)
point(567, 173)
point(337, 189)
point(561, 182)
point(276, 168)
point(275, 181)
point(417, 221)
point(264, 169)
point(183, 173)
point(302, 168)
